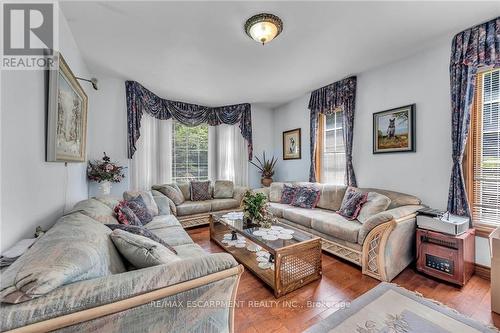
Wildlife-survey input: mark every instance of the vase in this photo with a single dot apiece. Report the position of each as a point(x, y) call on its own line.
point(104, 188)
point(266, 181)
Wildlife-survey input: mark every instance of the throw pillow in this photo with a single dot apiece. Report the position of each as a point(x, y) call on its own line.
point(288, 194)
point(141, 251)
point(172, 191)
point(140, 209)
point(125, 215)
point(137, 230)
point(352, 203)
point(375, 203)
point(223, 189)
point(146, 196)
point(200, 190)
point(306, 197)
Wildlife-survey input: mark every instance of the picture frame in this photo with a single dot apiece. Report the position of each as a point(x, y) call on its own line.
point(394, 130)
point(292, 144)
point(66, 136)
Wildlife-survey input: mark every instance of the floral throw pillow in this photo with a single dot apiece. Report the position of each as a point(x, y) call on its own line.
point(140, 209)
point(352, 203)
point(288, 194)
point(200, 190)
point(125, 215)
point(139, 230)
point(306, 197)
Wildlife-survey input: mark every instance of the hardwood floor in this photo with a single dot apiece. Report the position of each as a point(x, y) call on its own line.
point(341, 282)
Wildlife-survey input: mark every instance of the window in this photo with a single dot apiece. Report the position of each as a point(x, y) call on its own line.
point(333, 149)
point(190, 152)
point(485, 150)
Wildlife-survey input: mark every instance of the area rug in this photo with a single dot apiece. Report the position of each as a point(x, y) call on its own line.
point(388, 308)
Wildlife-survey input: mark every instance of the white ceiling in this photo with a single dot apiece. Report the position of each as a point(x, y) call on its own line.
point(198, 52)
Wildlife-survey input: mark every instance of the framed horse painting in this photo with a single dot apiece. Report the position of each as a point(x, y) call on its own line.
point(394, 130)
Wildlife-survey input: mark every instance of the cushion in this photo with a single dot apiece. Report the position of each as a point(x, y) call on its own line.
point(275, 191)
point(352, 203)
point(97, 210)
point(298, 215)
point(187, 251)
point(172, 191)
point(276, 208)
point(165, 205)
point(136, 230)
point(146, 196)
point(224, 204)
point(397, 199)
point(223, 189)
point(331, 196)
point(200, 190)
point(76, 248)
point(185, 190)
point(288, 193)
point(140, 209)
point(141, 251)
point(173, 235)
point(306, 197)
point(375, 203)
point(336, 226)
point(194, 207)
point(125, 215)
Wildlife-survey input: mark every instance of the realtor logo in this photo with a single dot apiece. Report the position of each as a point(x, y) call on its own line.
point(28, 28)
point(29, 35)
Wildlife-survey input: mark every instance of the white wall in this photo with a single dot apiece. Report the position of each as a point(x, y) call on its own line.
point(35, 192)
point(263, 139)
point(108, 128)
point(292, 115)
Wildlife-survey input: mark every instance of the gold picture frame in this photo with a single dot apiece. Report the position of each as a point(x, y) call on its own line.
point(67, 116)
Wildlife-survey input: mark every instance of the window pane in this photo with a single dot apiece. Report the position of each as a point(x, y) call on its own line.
point(333, 155)
point(190, 148)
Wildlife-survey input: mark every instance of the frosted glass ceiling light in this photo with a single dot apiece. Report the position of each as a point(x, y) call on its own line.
point(263, 28)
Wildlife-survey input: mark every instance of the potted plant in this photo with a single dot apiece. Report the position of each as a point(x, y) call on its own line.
point(254, 206)
point(266, 168)
point(105, 172)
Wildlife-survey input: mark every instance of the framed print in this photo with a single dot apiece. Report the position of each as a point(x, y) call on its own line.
point(67, 116)
point(394, 130)
point(292, 145)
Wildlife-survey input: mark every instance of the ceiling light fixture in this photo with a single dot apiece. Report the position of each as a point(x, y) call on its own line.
point(263, 28)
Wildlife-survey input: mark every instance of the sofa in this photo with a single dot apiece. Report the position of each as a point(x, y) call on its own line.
point(224, 196)
point(119, 298)
point(383, 245)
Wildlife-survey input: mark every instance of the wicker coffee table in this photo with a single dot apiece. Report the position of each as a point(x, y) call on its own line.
point(294, 262)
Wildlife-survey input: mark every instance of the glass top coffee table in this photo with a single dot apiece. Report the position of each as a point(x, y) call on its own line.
point(285, 258)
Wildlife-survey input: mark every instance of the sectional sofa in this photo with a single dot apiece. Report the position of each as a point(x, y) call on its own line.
point(383, 245)
point(74, 280)
point(225, 196)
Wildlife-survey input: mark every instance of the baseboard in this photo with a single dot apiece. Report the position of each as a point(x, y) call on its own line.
point(482, 271)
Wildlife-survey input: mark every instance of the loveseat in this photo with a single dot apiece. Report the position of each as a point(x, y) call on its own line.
point(383, 245)
point(224, 196)
point(94, 289)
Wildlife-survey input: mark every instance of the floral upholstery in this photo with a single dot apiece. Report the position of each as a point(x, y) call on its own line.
point(146, 196)
point(138, 206)
point(306, 197)
point(126, 215)
point(288, 194)
point(352, 203)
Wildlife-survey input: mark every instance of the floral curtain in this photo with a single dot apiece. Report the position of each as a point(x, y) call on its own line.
point(326, 100)
point(140, 99)
point(471, 49)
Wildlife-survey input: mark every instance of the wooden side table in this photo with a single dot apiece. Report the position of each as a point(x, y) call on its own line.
point(446, 257)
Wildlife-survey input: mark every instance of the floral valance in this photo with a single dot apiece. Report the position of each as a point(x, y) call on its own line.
point(140, 99)
point(333, 96)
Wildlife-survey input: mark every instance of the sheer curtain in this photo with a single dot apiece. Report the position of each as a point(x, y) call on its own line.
point(228, 154)
point(152, 162)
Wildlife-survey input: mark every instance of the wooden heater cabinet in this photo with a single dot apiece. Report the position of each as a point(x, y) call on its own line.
point(446, 257)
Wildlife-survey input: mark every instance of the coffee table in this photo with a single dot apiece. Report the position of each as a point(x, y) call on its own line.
point(294, 262)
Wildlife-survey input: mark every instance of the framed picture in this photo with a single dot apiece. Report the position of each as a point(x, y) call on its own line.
point(292, 145)
point(67, 116)
point(394, 130)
